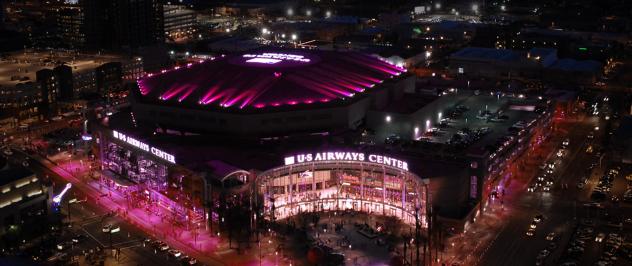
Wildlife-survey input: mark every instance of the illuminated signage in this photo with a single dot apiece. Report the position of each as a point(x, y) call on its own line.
point(273, 58)
point(57, 199)
point(346, 156)
point(269, 61)
point(143, 146)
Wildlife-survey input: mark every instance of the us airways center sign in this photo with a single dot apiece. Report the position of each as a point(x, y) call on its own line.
point(144, 146)
point(346, 156)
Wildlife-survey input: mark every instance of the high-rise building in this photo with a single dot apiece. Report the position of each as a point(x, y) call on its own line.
point(1, 16)
point(70, 21)
point(179, 21)
point(64, 76)
point(49, 86)
point(123, 23)
point(109, 77)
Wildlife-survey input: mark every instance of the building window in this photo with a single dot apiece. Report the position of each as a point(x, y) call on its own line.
point(473, 187)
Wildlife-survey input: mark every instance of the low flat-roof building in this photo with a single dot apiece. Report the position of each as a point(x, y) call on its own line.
point(535, 63)
point(31, 80)
point(622, 141)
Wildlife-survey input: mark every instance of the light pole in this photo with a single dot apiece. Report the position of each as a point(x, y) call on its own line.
point(417, 232)
point(259, 246)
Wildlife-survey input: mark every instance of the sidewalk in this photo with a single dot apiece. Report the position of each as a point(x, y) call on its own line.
point(209, 250)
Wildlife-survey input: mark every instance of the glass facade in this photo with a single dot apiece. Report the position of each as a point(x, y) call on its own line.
point(339, 186)
point(157, 186)
point(135, 166)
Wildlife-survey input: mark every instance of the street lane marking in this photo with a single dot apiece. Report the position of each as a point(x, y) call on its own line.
point(95, 239)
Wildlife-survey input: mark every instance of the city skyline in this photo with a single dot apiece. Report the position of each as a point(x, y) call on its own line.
point(347, 132)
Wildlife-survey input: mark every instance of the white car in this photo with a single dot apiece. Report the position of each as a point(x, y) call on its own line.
point(561, 153)
point(566, 142)
point(174, 252)
point(106, 228)
point(599, 238)
point(530, 232)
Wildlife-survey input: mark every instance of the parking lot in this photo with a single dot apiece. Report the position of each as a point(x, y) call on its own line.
point(465, 119)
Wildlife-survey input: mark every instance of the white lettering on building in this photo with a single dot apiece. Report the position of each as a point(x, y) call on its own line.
point(273, 58)
point(143, 146)
point(346, 156)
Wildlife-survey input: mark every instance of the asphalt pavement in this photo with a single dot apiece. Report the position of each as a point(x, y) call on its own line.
point(562, 207)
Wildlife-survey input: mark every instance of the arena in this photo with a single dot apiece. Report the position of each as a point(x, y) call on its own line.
point(269, 92)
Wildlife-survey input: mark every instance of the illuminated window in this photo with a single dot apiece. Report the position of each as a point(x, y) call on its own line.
point(23, 183)
point(34, 193)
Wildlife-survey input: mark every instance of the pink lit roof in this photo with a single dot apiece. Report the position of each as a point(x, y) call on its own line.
point(268, 79)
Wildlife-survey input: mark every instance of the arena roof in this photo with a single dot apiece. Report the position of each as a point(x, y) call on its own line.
point(268, 79)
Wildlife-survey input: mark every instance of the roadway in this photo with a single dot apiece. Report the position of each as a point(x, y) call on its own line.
point(88, 219)
point(563, 207)
point(512, 246)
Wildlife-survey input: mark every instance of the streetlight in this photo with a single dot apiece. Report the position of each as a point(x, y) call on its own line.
point(475, 8)
point(290, 12)
point(294, 37)
point(438, 6)
point(328, 14)
point(264, 31)
point(308, 12)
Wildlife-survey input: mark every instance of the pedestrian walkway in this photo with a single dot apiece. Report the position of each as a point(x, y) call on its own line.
point(198, 243)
